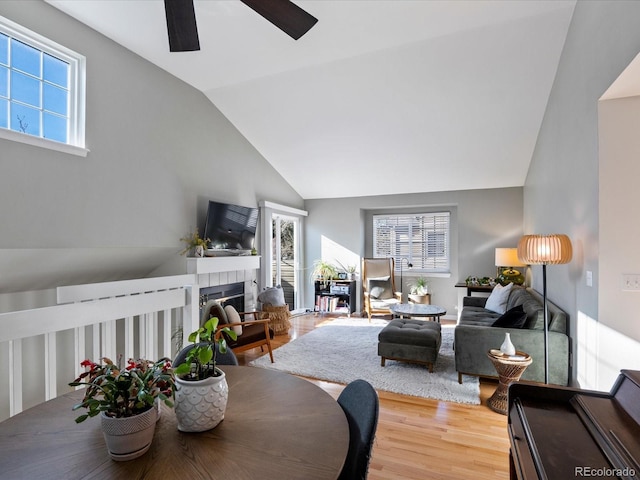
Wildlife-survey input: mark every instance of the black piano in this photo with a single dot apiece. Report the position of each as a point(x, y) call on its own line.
point(561, 433)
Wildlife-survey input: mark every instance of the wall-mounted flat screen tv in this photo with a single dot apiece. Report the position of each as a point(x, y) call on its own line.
point(231, 227)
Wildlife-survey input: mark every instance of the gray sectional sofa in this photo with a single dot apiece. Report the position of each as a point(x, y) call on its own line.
point(475, 335)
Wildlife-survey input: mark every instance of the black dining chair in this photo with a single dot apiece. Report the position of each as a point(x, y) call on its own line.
point(227, 358)
point(359, 401)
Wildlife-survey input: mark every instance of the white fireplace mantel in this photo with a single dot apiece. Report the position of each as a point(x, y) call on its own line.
point(222, 264)
point(214, 271)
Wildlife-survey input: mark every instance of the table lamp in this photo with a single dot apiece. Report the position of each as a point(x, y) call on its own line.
point(545, 250)
point(506, 259)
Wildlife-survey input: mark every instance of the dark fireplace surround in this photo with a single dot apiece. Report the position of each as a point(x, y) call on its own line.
point(229, 294)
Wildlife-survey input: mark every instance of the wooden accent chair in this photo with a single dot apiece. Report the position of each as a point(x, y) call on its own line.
point(252, 332)
point(378, 285)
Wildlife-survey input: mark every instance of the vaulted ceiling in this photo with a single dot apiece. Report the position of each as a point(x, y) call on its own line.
point(379, 97)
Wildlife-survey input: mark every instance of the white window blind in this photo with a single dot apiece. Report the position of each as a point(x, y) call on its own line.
point(422, 238)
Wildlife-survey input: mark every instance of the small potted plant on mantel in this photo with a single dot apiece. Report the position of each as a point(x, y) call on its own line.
point(127, 401)
point(419, 292)
point(201, 388)
point(194, 244)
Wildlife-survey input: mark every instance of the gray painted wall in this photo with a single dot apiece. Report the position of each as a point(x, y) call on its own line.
point(561, 190)
point(159, 150)
point(340, 229)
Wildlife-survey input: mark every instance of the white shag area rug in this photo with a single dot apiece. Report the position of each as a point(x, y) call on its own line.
point(347, 349)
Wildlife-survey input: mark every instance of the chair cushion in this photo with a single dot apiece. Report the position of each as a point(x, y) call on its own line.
point(213, 308)
point(383, 303)
point(234, 317)
point(513, 318)
point(380, 287)
point(497, 301)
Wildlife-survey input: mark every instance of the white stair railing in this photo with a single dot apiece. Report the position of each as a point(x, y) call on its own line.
point(158, 306)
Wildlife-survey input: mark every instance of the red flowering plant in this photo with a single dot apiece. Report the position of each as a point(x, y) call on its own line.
point(124, 392)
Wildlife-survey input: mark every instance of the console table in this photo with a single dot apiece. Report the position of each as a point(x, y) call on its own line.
point(475, 288)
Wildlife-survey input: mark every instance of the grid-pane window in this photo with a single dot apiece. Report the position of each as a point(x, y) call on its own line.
point(41, 86)
point(420, 238)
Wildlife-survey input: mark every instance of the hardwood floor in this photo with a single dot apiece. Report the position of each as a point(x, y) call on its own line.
point(420, 438)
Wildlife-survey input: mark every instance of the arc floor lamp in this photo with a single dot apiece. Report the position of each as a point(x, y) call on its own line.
point(545, 250)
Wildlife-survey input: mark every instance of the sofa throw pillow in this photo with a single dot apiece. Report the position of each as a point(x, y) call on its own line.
point(497, 301)
point(273, 296)
point(234, 317)
point(513, 318)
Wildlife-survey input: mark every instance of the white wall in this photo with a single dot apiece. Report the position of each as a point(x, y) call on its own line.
point(481, 221)
point(159, 150)
point(561, 190)
point(617, 338)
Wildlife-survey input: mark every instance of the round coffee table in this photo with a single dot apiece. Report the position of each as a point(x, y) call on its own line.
point(510, 369)
point(402, 310)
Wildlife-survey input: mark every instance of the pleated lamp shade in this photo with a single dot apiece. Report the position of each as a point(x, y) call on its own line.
point(545, 249)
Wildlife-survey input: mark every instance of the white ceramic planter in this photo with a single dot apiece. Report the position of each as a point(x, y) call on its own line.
point(130, 437)
point(200, 404)
point(424, 299)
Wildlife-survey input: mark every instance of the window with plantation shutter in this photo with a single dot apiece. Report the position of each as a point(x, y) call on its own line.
point(421, 238)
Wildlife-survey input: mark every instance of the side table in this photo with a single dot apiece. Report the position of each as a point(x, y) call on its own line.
point(510, 369)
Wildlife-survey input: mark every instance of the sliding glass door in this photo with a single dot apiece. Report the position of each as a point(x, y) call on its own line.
point(281, 250)
point(284, 261)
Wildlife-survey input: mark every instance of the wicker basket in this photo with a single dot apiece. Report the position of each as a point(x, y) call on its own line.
point(278, 318)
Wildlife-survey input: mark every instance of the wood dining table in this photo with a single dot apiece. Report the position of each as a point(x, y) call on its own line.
point(277, 426)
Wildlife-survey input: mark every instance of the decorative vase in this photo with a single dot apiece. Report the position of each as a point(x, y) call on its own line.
point(199, 251)
point(129, 437)
point(507, 347)
point(200, 404)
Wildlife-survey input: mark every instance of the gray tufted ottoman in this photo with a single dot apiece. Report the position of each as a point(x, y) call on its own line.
point(415, 341)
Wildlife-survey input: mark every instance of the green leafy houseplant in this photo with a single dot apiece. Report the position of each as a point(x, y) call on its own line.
point(200, 362)
point(201, 388)
point(420, 286)
point(350, 269)
point(123, 392)
point(324, 271)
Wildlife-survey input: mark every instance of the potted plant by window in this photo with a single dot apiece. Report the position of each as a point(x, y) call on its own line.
point(419, 292)
point(127, 401)
point(324, 271)
point(194, 244)
point(350, 270)
point(201, 388)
